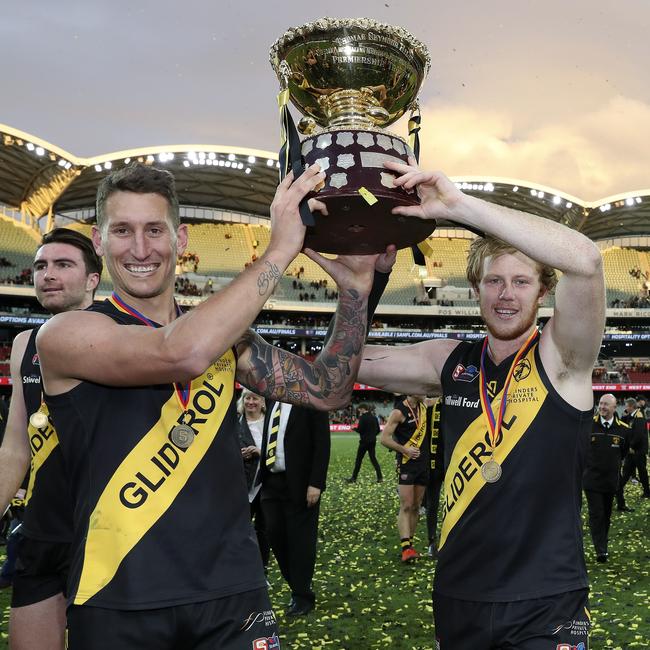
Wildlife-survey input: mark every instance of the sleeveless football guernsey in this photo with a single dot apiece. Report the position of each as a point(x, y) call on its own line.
point(48, 512)
point(156, 524)
point(413, 433)
point(520, 537)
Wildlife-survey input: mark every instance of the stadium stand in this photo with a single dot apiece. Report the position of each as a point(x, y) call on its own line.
point(16, 249)
point(617, 263)
point(448, 259)
point(223, 248)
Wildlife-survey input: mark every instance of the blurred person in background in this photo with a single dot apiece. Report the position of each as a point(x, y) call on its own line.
point(635, 459)
point(407, 433)
point(368, 429)
point(251, 409)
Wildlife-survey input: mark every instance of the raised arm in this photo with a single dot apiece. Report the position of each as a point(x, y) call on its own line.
point(14, 452)
point(571, 340)
point(79, 346)
point(327, 382)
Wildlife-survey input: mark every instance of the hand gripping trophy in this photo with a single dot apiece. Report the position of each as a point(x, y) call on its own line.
point(350, 78)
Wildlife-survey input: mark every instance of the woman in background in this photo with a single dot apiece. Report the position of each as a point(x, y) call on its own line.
point(250, 407)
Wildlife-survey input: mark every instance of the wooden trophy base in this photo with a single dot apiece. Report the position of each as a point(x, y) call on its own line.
point(360, 195)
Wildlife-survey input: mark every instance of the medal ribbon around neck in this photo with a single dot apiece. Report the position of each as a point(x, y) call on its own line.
point(414, 413)
point(494, 425)
point(182, 392)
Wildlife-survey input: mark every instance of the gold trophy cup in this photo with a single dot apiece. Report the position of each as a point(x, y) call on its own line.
point(350, 78)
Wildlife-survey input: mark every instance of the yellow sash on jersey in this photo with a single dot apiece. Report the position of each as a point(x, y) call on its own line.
point(463, 480)
point(420, 431)
point(114, 529)
point(41, 444)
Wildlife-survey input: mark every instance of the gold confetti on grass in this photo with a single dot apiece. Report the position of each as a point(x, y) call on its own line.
point(367, 599)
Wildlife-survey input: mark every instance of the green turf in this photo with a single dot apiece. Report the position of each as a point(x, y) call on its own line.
point(367, 599)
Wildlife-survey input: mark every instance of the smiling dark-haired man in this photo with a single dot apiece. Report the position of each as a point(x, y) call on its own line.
point(143, 397)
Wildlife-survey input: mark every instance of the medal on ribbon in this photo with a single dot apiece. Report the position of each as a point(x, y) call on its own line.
point(182, 435)
point(491, 470)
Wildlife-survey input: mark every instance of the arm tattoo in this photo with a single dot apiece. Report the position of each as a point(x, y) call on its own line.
point(268, 277)
point(326, 382)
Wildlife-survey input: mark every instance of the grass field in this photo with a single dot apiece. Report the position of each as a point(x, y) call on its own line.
point(367, 599)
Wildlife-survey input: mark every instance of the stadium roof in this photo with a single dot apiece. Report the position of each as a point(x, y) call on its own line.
point(38, 178)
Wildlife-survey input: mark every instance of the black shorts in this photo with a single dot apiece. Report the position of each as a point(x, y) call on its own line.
point(239, 621)
point(41, 571)
point(558, 622)
point(412, 474)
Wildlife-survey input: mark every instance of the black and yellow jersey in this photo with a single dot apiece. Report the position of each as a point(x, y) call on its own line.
point(48, 512)
point(414, 431)
point(639, 432)
point(156, 524)
point(607, 447)
point(435, 448)
point(520, 537)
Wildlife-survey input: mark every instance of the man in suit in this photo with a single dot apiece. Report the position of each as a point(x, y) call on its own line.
point(367, 428)
point(294, 461)
point(635, 459)
point(600, 480)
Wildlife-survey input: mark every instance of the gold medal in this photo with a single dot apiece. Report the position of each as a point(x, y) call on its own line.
point(182, 435)
point(38, 420)
point(491, 471)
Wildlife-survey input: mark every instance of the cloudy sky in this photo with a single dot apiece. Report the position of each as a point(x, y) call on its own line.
point(553, 92)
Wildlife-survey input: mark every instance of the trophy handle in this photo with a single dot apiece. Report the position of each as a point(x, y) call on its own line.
point(414, 129)
point(284, 74)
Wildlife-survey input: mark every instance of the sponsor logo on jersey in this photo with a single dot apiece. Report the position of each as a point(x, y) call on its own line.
point(31, 379)
point(461, 373)
point(267, 643)
point(266, 618)
point(35, 361)
point(523, 394)
point(463, 402)
point(522, 370)
point(576, 628)
point(151, 476)
point(135, 492)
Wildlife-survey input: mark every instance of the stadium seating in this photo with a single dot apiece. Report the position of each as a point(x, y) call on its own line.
point(404, 285)
point(17, 246)
point(619, 283)
point(224, 249)
point(448, 260)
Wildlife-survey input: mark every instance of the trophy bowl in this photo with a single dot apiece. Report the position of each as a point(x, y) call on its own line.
point(350, 78)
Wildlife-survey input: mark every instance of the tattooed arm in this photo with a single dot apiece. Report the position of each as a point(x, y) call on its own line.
point(327, 382)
